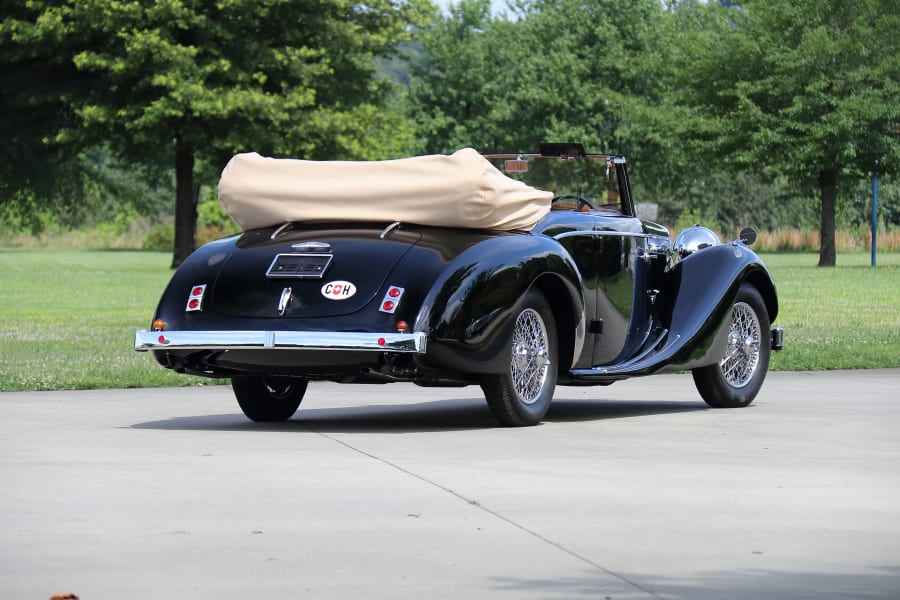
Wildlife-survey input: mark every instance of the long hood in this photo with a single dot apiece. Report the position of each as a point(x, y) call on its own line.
point(307, 273)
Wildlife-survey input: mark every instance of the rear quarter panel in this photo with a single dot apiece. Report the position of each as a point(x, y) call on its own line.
point(469, 311)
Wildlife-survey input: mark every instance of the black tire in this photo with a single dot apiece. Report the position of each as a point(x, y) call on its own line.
point(735, 380)
point(268, 399)
point(522, 395)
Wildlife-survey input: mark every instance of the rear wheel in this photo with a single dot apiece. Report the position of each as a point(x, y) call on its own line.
point(736, 379)
point(522, 395)
point(268, 399)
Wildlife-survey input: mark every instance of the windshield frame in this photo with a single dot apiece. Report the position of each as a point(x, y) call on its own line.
point(618, 162)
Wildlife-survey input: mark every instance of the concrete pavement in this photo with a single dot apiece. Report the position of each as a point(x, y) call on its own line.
point(633, 491)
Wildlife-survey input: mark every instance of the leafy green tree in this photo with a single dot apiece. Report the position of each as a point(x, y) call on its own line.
point(559, 70)
point(189, 82)
point(35, 168)
point(565, 70)
point(459, 86)
point(806, 88)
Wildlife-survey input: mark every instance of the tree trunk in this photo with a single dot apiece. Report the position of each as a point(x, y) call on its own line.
point(827, 189)
point(185, 202)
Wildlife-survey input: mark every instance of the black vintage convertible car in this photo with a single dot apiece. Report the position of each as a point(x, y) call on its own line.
point(515, 272)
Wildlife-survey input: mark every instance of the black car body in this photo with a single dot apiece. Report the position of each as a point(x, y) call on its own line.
point(589, 295)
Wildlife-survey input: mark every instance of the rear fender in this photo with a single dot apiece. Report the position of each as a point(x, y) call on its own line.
point(201, 267)
point(468, 314)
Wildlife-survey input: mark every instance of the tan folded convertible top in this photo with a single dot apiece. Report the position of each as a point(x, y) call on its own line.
point(459, 190)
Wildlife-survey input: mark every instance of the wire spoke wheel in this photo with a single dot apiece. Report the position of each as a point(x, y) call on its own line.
point(522, 395)
point(530, 359)
point(744, 340)
point(737, 377)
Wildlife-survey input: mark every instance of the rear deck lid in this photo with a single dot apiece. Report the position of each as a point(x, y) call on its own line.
point(308, 273)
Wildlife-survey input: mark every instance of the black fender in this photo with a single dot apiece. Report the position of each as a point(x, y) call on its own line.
point(202, 266)
point(468, 313)
point(707, 285)
point(695, 312)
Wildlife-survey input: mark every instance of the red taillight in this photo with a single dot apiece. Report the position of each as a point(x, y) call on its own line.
point(382, 341)
point(195, 299)
point(391, 299)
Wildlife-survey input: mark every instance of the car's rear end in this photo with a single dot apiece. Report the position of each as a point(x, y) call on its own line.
point(326, 302)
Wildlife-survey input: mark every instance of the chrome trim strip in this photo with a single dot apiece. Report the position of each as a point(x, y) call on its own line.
point(389, 230)
point(292, 340)
point(278, 231)
point(311, 247)
point(286, 294)
point(603, 232)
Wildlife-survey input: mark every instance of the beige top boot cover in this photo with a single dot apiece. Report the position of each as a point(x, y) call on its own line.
point(458, 190)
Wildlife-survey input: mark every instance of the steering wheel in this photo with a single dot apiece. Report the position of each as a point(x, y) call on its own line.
point(572, 196)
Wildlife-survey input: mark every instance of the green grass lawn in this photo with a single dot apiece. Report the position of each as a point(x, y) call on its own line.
point(67, 316)
point(847, 317)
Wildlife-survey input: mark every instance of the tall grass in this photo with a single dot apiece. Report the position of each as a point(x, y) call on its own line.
point(138, 234)
point(795, 240)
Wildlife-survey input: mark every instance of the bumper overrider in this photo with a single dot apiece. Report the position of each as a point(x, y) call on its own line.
point(414, 342)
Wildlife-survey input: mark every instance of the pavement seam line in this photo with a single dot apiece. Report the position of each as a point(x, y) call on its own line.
point(478, 505)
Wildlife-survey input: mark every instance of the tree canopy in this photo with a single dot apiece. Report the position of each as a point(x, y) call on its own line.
point(564, 69)
point(805, 88)
point(741, 111)
point(177, 80)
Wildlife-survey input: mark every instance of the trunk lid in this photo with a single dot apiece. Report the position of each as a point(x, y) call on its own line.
point(308, 272)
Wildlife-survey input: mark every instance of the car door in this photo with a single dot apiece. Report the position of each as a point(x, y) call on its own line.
point(620, 239)
point(617, 239)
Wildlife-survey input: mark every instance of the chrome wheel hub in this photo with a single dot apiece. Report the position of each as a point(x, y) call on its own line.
point(742, 355)
point(530, 360)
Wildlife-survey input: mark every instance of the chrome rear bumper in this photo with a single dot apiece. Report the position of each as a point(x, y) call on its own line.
point(282, 340)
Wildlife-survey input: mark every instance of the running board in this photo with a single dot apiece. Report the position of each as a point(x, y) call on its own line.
point(636, 365)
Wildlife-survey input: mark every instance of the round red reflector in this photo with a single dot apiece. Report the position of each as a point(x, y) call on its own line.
point(194, 303)
point(163, 340)
point(394, 292)
point(388, 305)
point(382, 341)
point(196, 291)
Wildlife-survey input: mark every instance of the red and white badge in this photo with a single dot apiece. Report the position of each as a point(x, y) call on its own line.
point(338, 290)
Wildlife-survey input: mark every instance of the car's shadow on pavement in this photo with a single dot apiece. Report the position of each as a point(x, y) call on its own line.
point(438, 415)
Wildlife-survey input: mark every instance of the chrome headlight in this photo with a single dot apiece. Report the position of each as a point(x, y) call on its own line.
point(694, 239)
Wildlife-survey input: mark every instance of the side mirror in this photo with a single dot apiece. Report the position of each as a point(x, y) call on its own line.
point(748, 235)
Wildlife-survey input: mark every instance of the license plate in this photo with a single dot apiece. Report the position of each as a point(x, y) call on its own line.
point(299, 266)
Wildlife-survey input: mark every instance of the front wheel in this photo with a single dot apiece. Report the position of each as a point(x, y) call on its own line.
point(268, 399)
point(736, 379)
point(522, 394)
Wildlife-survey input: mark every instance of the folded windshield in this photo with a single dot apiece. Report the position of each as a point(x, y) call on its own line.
point(578, 182)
